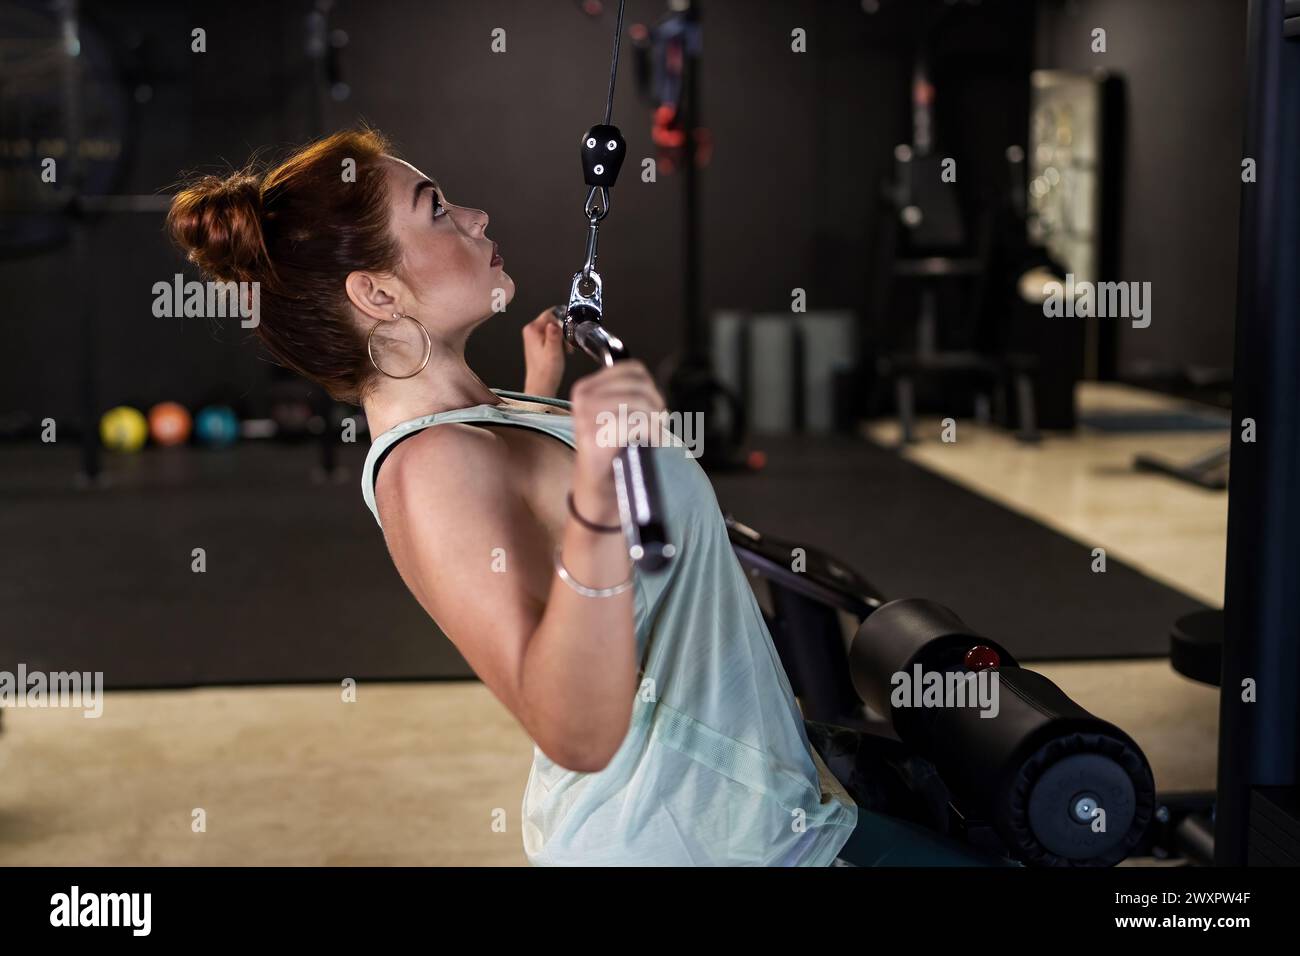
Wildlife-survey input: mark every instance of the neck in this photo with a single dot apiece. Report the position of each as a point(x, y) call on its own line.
point(447, 383)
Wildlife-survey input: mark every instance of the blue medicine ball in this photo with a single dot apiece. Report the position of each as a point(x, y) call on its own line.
point(217, 426)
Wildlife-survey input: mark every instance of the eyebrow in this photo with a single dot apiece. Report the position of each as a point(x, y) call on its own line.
point(423, 184)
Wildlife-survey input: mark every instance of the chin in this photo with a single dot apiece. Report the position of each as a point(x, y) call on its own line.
point(508, 284)
point(500, 294)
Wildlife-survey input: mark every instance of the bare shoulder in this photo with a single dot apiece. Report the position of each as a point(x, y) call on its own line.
point(446, 463)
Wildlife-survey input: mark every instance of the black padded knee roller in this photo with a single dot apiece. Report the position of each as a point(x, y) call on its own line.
point(1060, 786)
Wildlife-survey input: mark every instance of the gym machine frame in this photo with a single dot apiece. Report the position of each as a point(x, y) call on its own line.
point(1257, 818)
point(1253, 817)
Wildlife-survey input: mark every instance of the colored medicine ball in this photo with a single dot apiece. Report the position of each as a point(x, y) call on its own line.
point(169, 424)
point(123, 429)
point(217, 426)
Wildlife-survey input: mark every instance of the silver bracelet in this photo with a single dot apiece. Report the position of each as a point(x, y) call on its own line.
point(582, 589)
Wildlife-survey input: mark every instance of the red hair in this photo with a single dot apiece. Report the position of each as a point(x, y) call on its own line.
point(298, 229)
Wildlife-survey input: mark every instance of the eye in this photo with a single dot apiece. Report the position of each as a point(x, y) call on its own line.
point(439, 210)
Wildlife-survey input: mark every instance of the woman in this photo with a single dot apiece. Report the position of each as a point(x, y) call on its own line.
point(665, 728)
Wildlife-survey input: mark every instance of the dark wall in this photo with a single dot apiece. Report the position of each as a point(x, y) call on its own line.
point(798, 147)
point(801, 142)
point(1183, 67)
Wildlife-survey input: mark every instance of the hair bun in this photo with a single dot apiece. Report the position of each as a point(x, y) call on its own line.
point(218, 223)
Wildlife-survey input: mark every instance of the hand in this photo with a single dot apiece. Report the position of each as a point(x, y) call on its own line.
point(544, 350)
point(602, 403)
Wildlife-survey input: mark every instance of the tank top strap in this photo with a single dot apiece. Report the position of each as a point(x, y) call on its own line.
point(558, 426)
point(536, 399)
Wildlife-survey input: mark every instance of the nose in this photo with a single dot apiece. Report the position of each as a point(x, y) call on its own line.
point(478, 220)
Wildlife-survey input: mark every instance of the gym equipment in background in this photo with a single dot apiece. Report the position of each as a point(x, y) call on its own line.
point(1208, 470)
point(123, 429)
point(668, 72)
point(169, 424)
point(770, 343)
point(927, 252)
point(1075, 163)
point(217, 426)
point(804, 362)
point(84, 116)
point(1041, 361)
point(43, 94)
point(295, 413)
point(71, 93)
point(294, 420)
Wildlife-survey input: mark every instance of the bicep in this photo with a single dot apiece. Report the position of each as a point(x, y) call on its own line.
point(472, 552)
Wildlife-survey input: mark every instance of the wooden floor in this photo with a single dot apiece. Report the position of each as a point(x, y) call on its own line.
point(425, 773)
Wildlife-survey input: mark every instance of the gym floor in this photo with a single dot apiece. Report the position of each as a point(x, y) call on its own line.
point(120, 790)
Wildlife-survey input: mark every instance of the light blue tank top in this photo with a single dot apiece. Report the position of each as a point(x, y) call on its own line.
point(716, 767)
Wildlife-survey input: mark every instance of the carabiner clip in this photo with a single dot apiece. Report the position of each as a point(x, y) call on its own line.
point(585, 291)
point(593, 236)
point(603, 208)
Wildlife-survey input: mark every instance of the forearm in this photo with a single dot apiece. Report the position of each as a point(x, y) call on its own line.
point(542, 387)
point(579, 672)
point(542, 381)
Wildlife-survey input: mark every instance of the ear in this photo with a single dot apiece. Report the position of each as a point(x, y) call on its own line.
point(373, 295)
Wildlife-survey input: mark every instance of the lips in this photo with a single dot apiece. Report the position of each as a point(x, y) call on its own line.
point(496, 256)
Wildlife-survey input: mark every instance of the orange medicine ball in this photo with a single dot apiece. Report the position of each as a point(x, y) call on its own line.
point(169, 423)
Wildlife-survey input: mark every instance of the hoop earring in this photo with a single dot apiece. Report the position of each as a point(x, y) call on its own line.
point(428, 346)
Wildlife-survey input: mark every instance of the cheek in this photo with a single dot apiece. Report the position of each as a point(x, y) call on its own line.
point(434, 263)
point(452, 272)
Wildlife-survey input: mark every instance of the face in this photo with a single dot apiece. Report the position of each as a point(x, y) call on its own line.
point(450, 268)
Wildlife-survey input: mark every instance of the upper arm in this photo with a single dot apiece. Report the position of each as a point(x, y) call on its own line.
point(469, 547)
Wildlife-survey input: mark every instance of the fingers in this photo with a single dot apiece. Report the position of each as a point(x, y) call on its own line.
point(620, 374)
point(625, 368)
point(555, 325)
point(549, 319)
point(625, 383)
point(625, 388)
